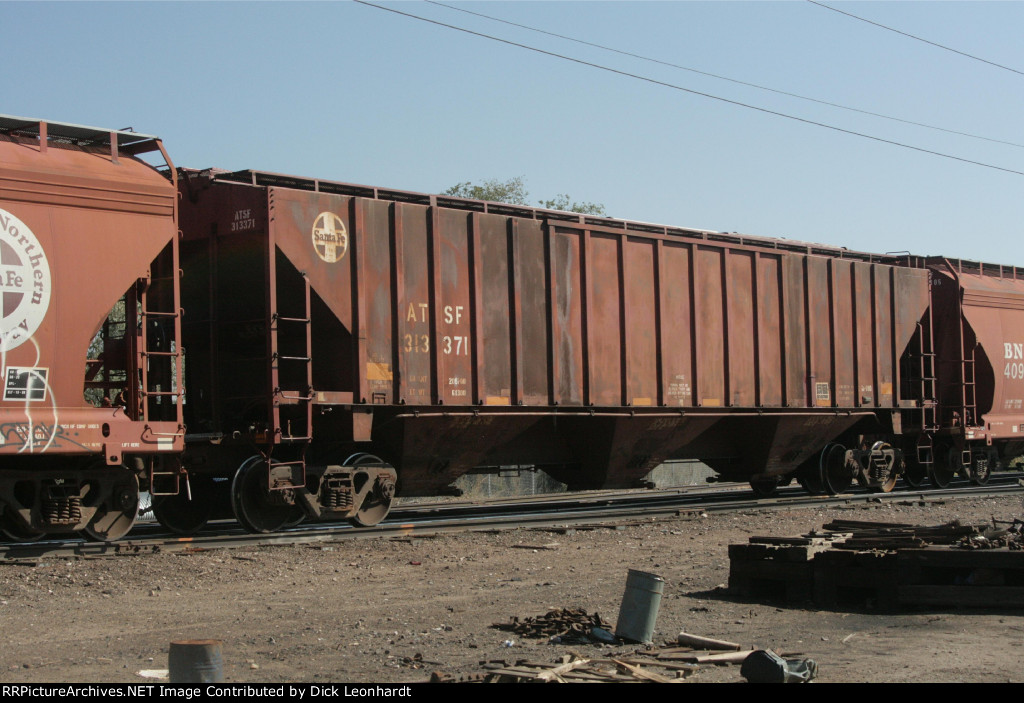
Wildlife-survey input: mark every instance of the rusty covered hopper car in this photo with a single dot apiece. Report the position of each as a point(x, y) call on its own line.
point(366, 340)
point(86, 227)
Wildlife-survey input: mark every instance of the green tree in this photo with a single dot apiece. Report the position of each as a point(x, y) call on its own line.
point(513, 191)
point(567, 204)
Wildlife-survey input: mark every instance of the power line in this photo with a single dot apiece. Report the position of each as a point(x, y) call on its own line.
point(724, 78)
point(962, 53)
point(687, 90)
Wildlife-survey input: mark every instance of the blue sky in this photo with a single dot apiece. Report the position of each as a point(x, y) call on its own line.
point(342, 91)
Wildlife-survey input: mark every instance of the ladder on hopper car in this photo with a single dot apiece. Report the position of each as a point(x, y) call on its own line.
point(968, 399)
point(159, 362)
point(926, 380)
point(291, 364)
point(923, 387)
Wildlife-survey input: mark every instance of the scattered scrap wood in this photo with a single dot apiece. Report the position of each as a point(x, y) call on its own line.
point(722, 657)
point(697, 642)
point(664, 663)
point(577, 669)
point(442, 677)
point(671, 663)
point(556, 673)
point(645, 674)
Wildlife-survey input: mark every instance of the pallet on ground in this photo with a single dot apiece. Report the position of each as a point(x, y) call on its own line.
point(960, 577)
point(883, 567)
point(776, 567)
point(843, 577)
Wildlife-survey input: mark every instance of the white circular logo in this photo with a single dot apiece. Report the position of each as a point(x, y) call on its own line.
point(330, 240)
point(24, 282)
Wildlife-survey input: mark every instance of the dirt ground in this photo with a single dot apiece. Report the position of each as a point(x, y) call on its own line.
point(395, 610)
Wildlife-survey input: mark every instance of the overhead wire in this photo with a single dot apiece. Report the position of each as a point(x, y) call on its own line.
point(920, 39)
point(673, 86)
point(723, 78)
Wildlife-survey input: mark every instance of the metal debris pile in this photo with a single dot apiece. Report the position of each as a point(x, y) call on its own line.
point(562, 626)
point(892, 536)
point(863, 536)
point(994, 537)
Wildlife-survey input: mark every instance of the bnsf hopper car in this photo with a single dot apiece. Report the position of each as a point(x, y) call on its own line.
point(339, 344)
point(978, 375)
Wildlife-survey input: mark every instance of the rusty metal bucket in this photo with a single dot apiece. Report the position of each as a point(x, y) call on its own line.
point(639, 609)
point(195, 661)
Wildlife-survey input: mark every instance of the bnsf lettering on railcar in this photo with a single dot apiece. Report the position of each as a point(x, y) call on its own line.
point(1014, 369)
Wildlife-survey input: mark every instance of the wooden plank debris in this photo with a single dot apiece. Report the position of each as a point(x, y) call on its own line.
point(648, 665)
point(636, 668)
point(698, 642)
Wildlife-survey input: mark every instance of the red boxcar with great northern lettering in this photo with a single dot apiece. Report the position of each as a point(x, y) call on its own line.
point(90, 331)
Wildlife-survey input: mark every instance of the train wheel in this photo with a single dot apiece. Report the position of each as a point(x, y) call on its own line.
point(116, 515)
point(941, 472)
point(377, 503)
point(12, 529)
point(914, 473)
point(296, 520)
point(181, 515)
point(809, 478)
point(764, 487)
point(253, 506)
point(836, 476)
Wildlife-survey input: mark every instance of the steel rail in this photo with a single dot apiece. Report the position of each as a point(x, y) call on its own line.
point(433, 519)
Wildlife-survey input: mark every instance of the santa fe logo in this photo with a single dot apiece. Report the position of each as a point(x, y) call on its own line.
point(24, 282)
point(329, 237)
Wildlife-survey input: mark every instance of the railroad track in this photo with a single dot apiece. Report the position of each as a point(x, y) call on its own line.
point(424, 519)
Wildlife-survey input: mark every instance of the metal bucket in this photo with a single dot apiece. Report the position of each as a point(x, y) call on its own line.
point(195, 661)
point(639, 609)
